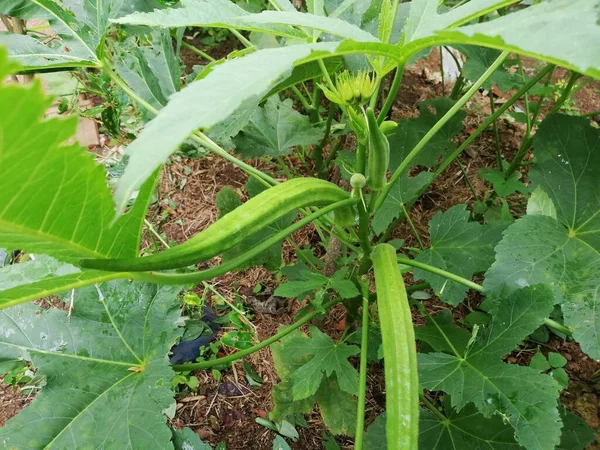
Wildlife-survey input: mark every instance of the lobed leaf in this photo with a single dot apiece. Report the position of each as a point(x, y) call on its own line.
point(206, 13)
point(563, 252)
point(459, 246)
point(275, 129)
point(520, 395)
point(55, 199)
point(106, 369)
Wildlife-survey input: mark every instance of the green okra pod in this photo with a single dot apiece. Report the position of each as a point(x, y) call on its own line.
point(379, 153)
point(233, 228)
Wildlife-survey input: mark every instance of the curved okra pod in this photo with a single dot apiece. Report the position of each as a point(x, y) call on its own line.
point(231, 229)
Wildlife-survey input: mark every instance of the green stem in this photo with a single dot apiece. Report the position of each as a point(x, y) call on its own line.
point(206, 142)
point(305, 104)
point(245, 42)
point(566, 92)
point(451, 276)
point(591, 114)
point(438, 126)
point(525, 98)
point(361, 157)
point(364, 238)
point(242, 353)
point(155, 233)
point(333, 153)
point(362, 382)
point(431, 407)
point(527, 141)
point(472, 285)
point(412, 226)
point(197, 51)
point(391, 97)
point(318, 150)
point(496, 134)
point(493, 117)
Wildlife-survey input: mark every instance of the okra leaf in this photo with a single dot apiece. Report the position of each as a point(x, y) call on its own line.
point(410, 131)
point(206, 13)
point(106, 368)
point(468, 429)
point(520, 395)
point(442, 335)
point(563, 252)
point(464, 429)
point(425, 19)
point(458, 246)
point(54, 198)
point(479, 59)
point(326, 358)
point(338, 408)
point(275, 129)
point(576, 435)
point(555, 31)
point(403, 193)
point(41, 277)
point(329, 25)
point(540, 203)
point(80, 26)
point(153, 71)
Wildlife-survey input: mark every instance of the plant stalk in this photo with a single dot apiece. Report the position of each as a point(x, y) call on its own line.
point(438, 126)
point(391, 97)
point(362, 383)
point(472, 285)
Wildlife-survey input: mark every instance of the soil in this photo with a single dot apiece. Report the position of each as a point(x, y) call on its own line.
point(187, 205)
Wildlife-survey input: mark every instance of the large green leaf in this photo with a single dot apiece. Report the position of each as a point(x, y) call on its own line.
point(326, 358)
point(557, 31)
point(458, 246)
point(81, 27)
point(424, 18)
point(469, 430)
point(441, 334)
point(44, 276)
point(152, 71)
point(522, 396)
point(205, 103)
point(31, 53)
point(338, 408)
point(206, 13)
point(330, 25)
point(466, 429)
point(275, 129)
point(478, 61)
point(106, 369)
point(54, 199)
point(565, 251)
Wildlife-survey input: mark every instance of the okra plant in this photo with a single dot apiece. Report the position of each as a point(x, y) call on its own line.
point(305, 80)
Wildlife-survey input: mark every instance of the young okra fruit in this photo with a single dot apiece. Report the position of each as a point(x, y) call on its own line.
point(399, 351)
point(379, 153)
point(233, 228)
